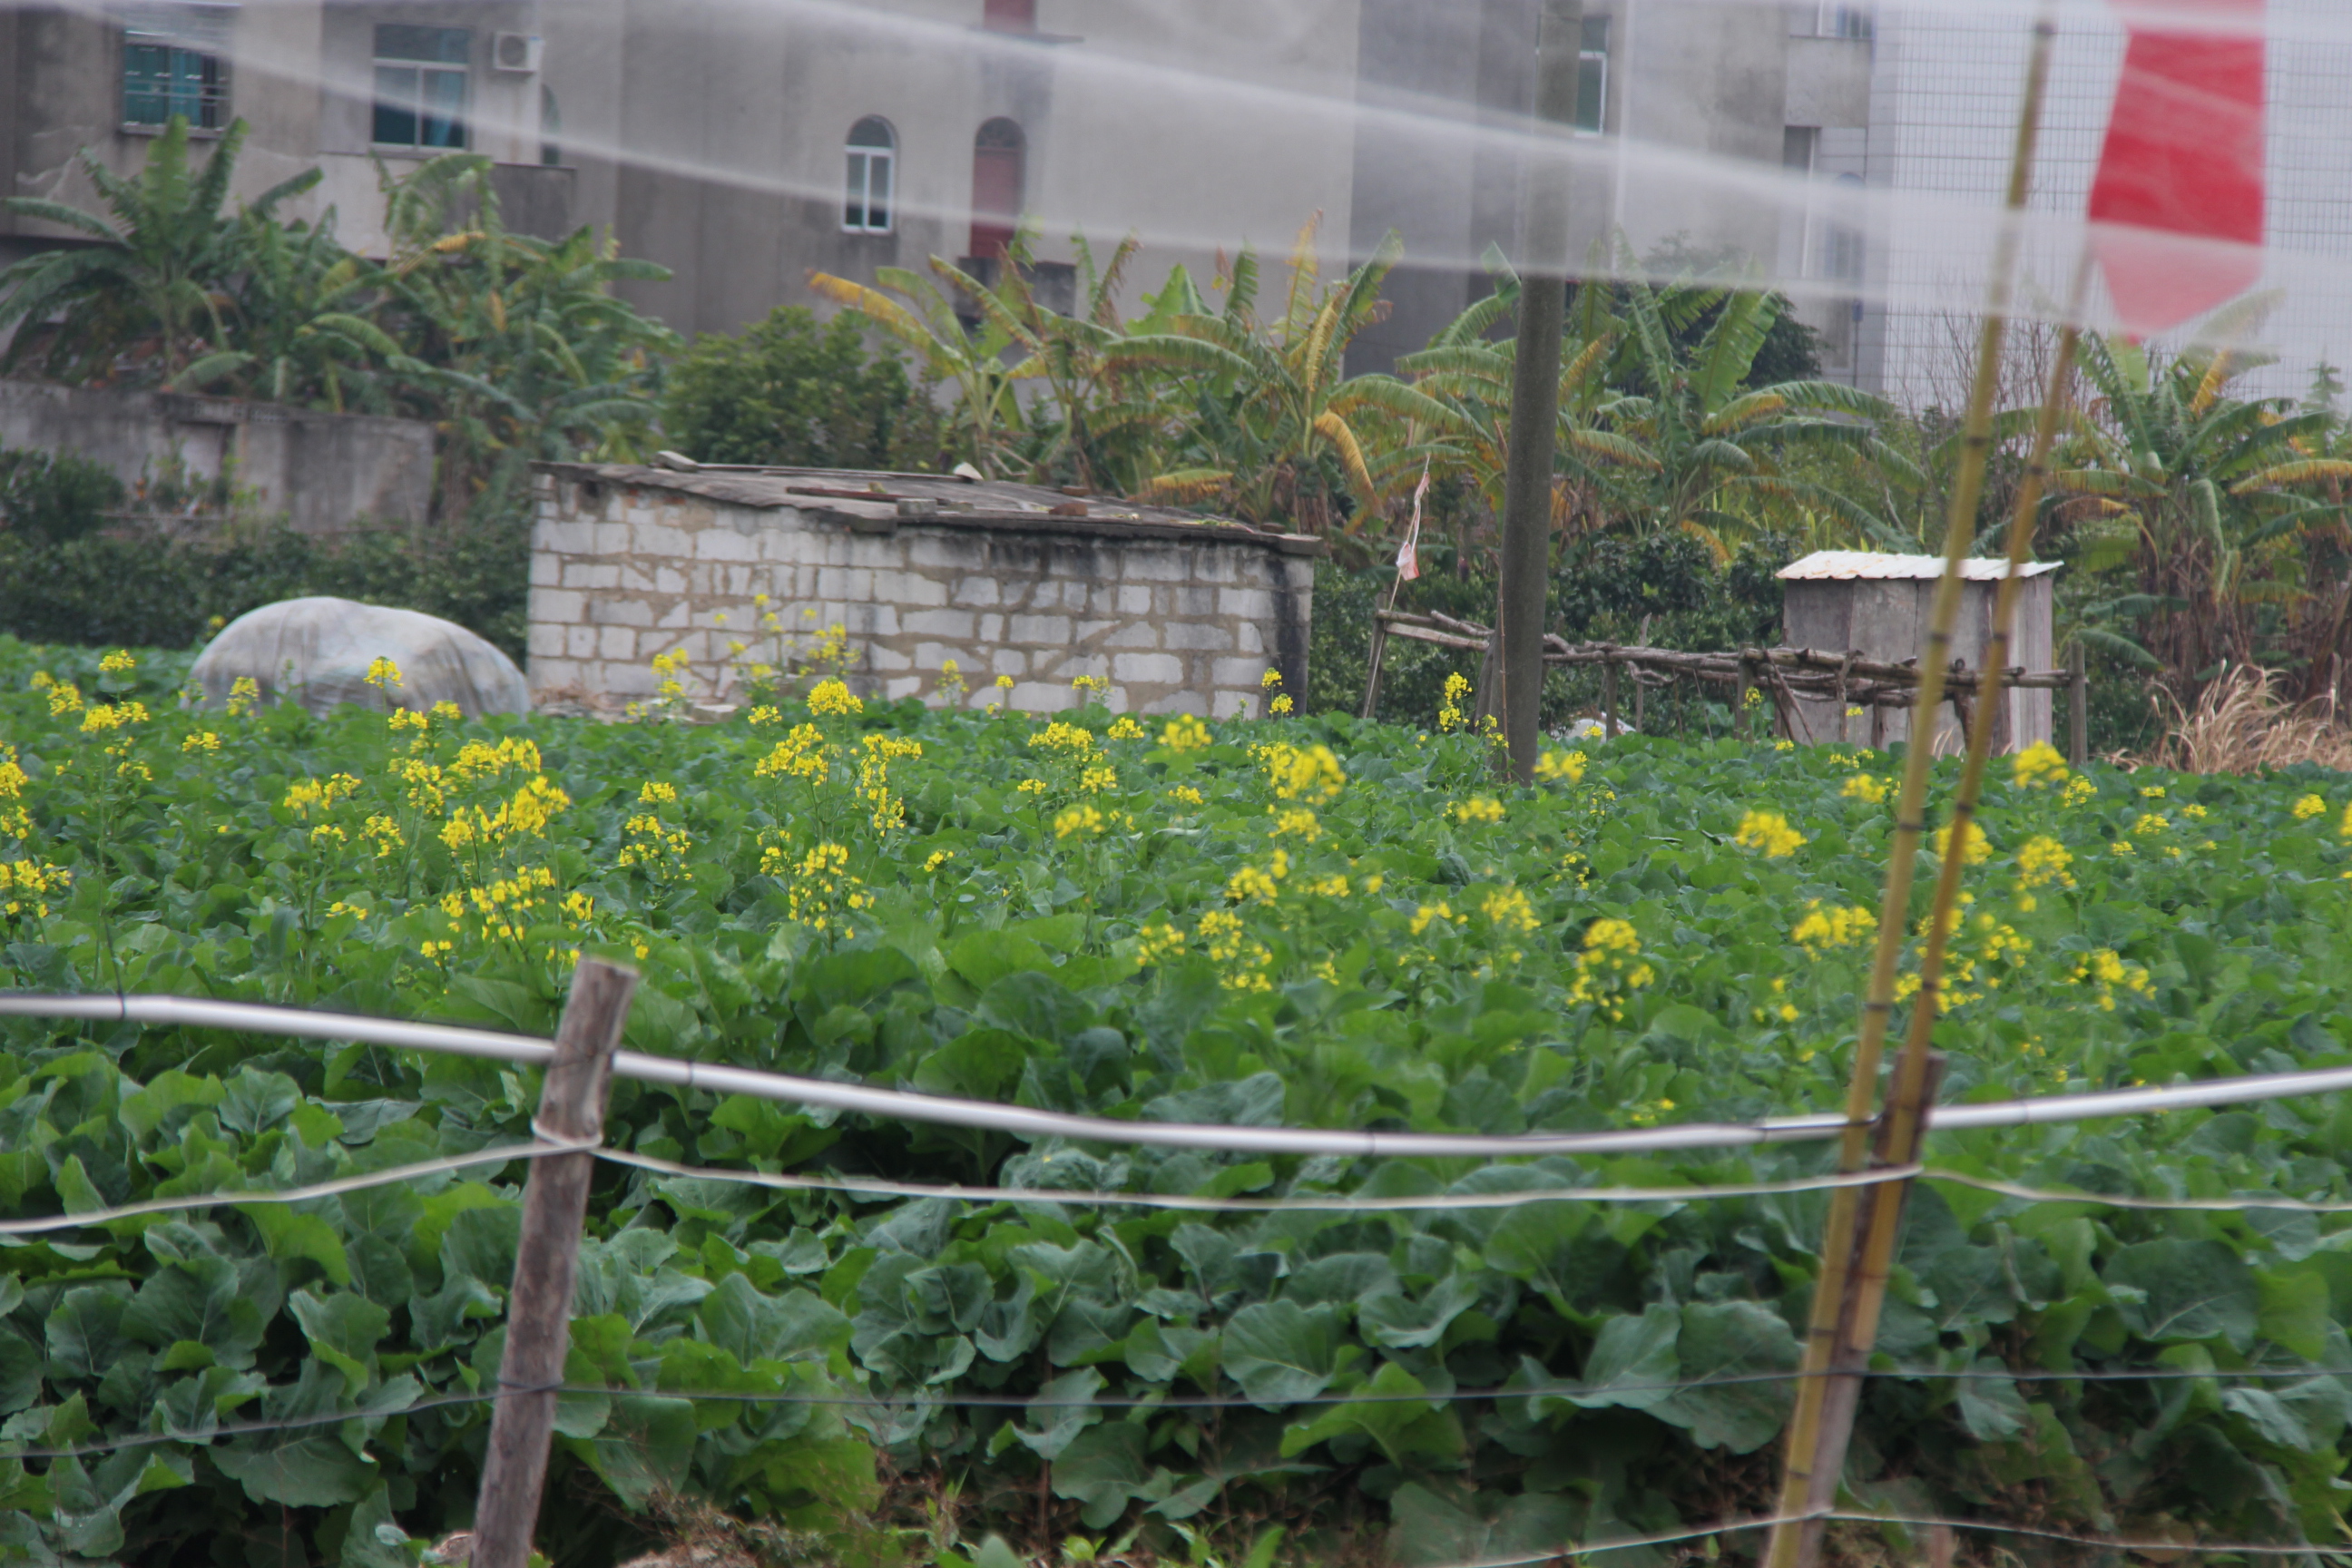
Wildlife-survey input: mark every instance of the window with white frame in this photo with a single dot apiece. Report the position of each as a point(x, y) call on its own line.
point(1592, 75)
point(175, 62)
point(869, 204)
point(421, 85)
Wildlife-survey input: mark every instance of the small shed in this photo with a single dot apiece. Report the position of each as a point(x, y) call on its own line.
point(717, 566)
point(1877, 606)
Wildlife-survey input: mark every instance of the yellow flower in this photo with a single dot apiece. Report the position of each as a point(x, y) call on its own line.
point(800, 754)
point(2151, 792)
point(2039, 764)
point(1296, 822)
point(1271, 679)
point(1186, 733)
point(1032, 786)
point(64, 698)
point(118, 662)
point(2078, 790)
point(1508, 910)
point(832, 699)
point(2043, 860)
point(109, 716)
point(1280, 707)
point(244, 696)
point(1477, 808)
point(1832, 925)
point(938, 858)
point(2149, 825)
point(2309, 807)
point(1769, 832)
point(1098, 779)
point(1449, 710)
point(1865, 788)
point(2345, 829)
point(1250, 882)
point(1428, 914)
point(1185, 795)
point(1058, 736)
point(1310, 773)
point(1978, 846)
point(321, 793)
point(1004, 683)
point(202, 741)
point(384, 834)
point(1125, 728)
point(1554, 765)
point(1157, 942)
point(657, 792)
point(764, 713)
point(1080, 819)
point(2104, 971)
point(382, 672)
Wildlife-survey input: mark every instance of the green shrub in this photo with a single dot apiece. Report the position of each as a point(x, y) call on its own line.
point(139, 592)
point(54, 496)
point(792, 391)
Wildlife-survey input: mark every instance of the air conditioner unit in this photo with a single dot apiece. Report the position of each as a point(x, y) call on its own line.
point(517, 52)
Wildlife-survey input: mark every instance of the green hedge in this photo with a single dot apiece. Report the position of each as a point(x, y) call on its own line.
point(134, 592)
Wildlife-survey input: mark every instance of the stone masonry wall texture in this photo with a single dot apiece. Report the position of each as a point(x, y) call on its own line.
point(1177, 615)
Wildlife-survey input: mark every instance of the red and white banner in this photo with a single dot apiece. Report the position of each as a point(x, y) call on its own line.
point(2177, 204)
point(1408, 561)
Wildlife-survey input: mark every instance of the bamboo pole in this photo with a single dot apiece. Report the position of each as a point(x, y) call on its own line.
point(2078, 707)
point(1907, 1094)
point(1796, 1543)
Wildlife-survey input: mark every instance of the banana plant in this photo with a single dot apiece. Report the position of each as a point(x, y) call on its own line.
point(151, 288)
point(516, 347)
point(919, 312)
point(2219, 498)
point(303, 331)
point(1276, 429)
point(1718, 445)
point(1470, 372)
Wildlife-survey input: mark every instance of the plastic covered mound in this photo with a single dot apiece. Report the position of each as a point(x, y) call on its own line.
point(317, 652)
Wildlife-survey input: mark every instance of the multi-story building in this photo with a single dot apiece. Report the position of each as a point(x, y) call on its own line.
point(744, 146)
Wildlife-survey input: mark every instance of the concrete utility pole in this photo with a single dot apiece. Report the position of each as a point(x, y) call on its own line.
point(1535, 386)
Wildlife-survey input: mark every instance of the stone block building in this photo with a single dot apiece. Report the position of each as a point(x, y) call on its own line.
point(1176, 614)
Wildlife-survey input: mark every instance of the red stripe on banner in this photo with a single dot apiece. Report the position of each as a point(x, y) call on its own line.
point(2184, 156)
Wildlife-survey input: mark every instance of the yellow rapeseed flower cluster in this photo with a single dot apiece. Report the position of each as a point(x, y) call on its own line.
point(382, 672)
point(1158, 943)
point(118, 662)
point(1826, 926)
point(884, 807)
point(1509, 912)
point(1125, 728)
point(1295, 822)
point(1450, 716)
point(2308, 807)
point(1866, 788)
point(2042, 861)
point(1227, 943)
point(244, 697)
point(832, 700)
point(1262, 884)
point(1478, 808)
point(109, 716)
point(1310, 773)
point(1078, 821)
point(1557, 766)
point(800, 754)
point(16, 821)
point(2078, 789)
point(307, 795)
point(2038, 765)
point(1769, 832)
point(502, 908)
point(200, 740)
point(1185, 733)
point(1058, 736)
point(26, 886)
point(821, 894)
point(1977, 849)
point(1610, 968)
point(2106, 973)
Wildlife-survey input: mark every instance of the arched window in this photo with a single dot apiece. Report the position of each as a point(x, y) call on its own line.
point(867, 206)
point(999, 156)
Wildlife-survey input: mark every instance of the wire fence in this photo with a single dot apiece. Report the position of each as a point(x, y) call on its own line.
point(1022, 1120)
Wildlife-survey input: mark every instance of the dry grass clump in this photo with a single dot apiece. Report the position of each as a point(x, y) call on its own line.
point(2240, 725)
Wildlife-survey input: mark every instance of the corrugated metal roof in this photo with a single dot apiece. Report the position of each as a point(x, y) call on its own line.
point(1827, 564)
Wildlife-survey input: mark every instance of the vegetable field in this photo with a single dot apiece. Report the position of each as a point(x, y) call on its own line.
point(1304, 921)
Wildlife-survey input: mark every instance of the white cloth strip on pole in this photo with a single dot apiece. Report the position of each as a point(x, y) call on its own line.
point(261, 1018)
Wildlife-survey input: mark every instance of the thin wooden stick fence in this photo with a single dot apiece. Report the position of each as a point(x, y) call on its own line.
point(1846, 680)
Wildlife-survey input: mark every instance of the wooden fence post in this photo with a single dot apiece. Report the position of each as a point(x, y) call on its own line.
point(2078, 708)
point(1609, 697)
point(1372, 674)
point(1739, 725)
point(538, 1308)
